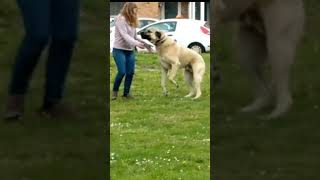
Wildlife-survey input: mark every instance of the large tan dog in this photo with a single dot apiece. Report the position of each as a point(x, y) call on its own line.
point(173, 57)
point(268, 32)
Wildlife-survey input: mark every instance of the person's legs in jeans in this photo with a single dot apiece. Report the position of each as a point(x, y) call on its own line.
point(130, 65)
point(36, 23)
point(120, 60)
point(35, 17)
point(64, 32)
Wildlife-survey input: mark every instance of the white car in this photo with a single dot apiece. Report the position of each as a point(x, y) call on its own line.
point(142, 23)
point(111, 22)
point(194, 34)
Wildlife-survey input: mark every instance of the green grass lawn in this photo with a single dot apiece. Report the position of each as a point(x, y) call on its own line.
point(248, 148)
point(158, 137)
point(64, 149)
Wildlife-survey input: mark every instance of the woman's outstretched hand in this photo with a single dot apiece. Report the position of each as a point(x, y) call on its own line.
point(148, 46)
point(141, 46)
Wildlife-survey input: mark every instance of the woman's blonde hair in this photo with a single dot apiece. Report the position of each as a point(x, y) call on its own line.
point(128, 12)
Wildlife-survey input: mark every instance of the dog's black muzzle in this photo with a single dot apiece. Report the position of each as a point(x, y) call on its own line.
point(145, 36)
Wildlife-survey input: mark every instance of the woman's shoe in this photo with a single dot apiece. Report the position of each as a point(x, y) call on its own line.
point(14, 108)
point(59, 110)
point(129, 96)
point(114, 95)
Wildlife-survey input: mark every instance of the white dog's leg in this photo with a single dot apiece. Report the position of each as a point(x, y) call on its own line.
point(173, 72)
point(252, 55)
point(188, 76)
point(198, 72)
point(284, 32)
point(164, 80)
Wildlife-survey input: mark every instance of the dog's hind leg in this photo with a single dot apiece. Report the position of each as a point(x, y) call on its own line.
point(284, 32)
point(252, 56)
point(198, 72)
point(188, 76)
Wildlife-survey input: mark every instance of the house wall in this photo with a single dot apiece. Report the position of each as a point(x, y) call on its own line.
point(148, 9)
point(152, 9)
point(184, 9)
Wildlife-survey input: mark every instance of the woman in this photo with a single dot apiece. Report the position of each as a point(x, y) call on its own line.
point(54, 20)
point(123, 48)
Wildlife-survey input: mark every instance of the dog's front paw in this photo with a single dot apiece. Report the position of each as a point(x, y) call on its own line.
point(165, 93)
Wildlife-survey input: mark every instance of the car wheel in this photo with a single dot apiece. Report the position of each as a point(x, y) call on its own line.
point(197, 47)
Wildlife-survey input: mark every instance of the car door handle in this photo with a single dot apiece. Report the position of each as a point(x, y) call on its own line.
point(170, 35)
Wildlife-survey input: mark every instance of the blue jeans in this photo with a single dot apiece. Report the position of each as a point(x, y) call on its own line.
point(125, 61)
point(46, 20)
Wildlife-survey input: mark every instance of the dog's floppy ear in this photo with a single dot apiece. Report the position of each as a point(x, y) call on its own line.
point(158, 34)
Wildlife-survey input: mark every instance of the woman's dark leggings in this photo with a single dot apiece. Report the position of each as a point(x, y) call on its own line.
point(53, 22)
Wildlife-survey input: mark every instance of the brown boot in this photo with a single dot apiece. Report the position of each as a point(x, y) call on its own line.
point(129, 96)
point(14, 108)
point(59, 110)
point(114, 95)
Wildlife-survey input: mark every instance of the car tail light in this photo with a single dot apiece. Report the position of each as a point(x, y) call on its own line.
point(205, 30)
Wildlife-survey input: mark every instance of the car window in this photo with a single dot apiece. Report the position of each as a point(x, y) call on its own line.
point(111, 22)
point(150, 21)
point(143, 23)
point(207, 25)
point(165, 26)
